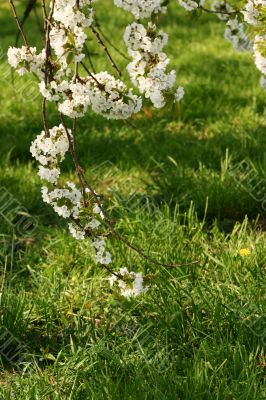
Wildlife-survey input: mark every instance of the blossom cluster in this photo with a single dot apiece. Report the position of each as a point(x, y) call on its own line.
point(222, 9)
point(26, 59)
point(71, 13)
point(105, 94)
point(235, 29)
point(141, 8)
point(131, 285)
point(68, 36)
point(49, 151)
point(191, 5)
point(65, 201)
point(100, 91)
point(148, 70)
point(235, 34)
point(254, 12)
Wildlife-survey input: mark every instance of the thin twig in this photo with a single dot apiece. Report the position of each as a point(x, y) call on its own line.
point(31, 6)
point(89, 58)
point(47, 43)
point(220, 12)
point(44, 119)
point(100, 41)
point(129, 244)
point(18, 23)
point(91, 75)
point(109, 41)
point(72, 148)
point(44, 12)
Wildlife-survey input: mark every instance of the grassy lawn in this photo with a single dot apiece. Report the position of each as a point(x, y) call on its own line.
point(184, 185)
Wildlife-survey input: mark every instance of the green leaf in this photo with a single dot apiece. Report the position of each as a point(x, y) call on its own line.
point(70, 57)
point(71, 38)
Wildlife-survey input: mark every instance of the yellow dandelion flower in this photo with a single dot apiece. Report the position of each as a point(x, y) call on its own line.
point(244, 252)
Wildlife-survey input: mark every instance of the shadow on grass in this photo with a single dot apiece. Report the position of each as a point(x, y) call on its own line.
point(183, 161)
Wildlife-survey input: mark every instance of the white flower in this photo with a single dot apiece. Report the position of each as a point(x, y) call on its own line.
point(93, 224)
point(137, 37)
point(65, 201)
point(141, 8)
point(133, 289)
point(179, 94)
point(70, 15)
point(112, 280)
point(150, 76)
point(123, 271)
point(224, 9)
point(263, 82)
point(105, 94)
point(58, 39)
point(138, 285)
point(253, 12)
point(148, 70)
point(112, 99)
point(235, 34)
point(97, 210)
point(52, 149)
point(259, 48)
point(103, 258)
point(64, 42)
point(99, 244)
point(26, 59)
point(189, 5)
point(76, 232)
point(49, 174)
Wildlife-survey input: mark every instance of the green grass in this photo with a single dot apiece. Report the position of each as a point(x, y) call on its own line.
point(172, 184)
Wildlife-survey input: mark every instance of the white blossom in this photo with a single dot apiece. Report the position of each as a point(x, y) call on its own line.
point(76, 232)
point(133, 288)
point(73, 93)
point(259, 53)
point(112, 99)
point(70, 15)
point(263, 82)
point(235, 34)
point(102, 256)
point(253, 12)
point(179, 94)
point(50, 149)
point(190, 5)
point(148, 70)
point(137, 37)
point(26, 59)
point(49, 174)
point(64, 43)
point(65, 201)
point(222, 9)
point(97, 210)
point(141, 8)
point(150, 76)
